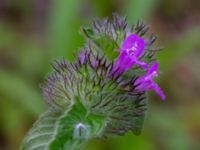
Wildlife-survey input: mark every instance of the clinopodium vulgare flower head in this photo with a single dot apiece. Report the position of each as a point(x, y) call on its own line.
point(132, 48)
point(103, 93)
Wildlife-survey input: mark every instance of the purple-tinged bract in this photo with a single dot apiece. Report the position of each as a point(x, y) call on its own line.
point(82, 57)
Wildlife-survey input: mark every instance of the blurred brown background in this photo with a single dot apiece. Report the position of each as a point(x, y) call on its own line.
point(33, 33)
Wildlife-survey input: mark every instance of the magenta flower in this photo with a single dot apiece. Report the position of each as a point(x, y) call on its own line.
point(132, 49)
point(146, 83)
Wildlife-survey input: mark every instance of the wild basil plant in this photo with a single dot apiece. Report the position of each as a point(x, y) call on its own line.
point(102, 93)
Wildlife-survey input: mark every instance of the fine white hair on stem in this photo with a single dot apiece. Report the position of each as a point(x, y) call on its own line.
point(80, 131)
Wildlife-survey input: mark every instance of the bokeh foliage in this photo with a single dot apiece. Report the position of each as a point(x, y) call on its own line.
point(34, 33)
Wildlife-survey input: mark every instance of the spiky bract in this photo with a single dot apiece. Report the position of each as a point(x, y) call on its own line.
point(99, 91)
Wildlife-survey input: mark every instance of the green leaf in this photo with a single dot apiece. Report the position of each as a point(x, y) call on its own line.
point(63, 131)
point(88, 32)
point(103, 42)
point(108, 45)
point(76, 127)
point(41, 133)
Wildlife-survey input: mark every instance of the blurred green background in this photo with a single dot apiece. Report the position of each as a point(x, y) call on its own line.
point(33, 33)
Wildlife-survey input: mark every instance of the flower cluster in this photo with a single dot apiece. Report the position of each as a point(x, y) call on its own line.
point(132, 48)
point(103, 92)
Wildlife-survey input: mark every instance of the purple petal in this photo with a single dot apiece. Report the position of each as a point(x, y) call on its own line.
point(142, 84)
point(153, 69)
point(142, 64)
point(146, 83)
point(123, 63)
point(132, 48)
point(159, 91)
point(134, 44)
